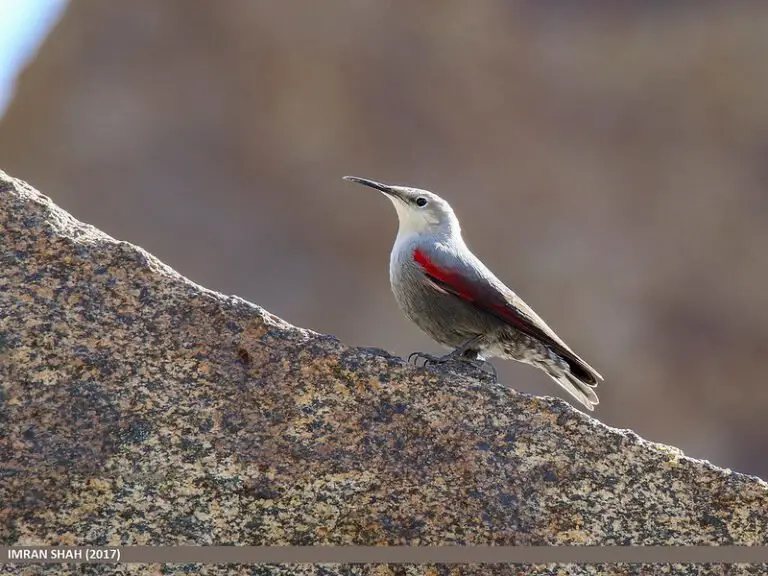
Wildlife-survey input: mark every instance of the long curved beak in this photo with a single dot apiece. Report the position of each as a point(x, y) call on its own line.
point(385, 188)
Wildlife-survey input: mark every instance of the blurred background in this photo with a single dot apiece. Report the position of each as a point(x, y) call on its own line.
point(608, 160)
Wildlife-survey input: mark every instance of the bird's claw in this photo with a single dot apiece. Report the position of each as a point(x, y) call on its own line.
point(486, 367)
point(482, 365)
point(426, 358)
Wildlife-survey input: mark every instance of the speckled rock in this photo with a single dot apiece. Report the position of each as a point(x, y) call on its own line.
point(140, 408)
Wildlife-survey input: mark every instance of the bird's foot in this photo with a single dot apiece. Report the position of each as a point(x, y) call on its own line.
point(457, 356)
point(484, 366)
point(425, 358)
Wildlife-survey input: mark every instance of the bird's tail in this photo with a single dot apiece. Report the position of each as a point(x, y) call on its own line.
point(580, 389)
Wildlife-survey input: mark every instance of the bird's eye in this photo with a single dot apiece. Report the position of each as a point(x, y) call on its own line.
point(421, 201)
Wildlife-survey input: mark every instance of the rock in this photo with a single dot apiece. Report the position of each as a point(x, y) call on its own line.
point(139, 408)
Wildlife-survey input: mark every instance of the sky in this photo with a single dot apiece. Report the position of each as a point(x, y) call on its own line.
point(25, 23)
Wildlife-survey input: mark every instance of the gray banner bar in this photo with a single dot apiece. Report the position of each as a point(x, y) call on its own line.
point(389, 555)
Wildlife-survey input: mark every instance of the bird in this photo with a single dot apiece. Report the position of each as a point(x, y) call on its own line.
point(447, 291)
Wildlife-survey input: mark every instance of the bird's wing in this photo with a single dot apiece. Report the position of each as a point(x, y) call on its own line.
point(499, 301)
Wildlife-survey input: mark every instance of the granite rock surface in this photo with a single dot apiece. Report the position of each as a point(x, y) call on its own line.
point(139, 408)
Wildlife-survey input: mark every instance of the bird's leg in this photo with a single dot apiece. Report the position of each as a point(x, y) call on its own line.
point(463, 352)
point(485, 366)
point(427, 358)
point(467, 352)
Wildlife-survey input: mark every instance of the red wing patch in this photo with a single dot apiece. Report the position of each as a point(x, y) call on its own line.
point(488, 299)
point(493, 303)
point(444, 277)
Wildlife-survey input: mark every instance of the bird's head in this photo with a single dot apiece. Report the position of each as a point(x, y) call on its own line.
point(419, 211)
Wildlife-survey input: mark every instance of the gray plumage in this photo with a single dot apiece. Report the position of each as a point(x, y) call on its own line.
point(453, 297)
